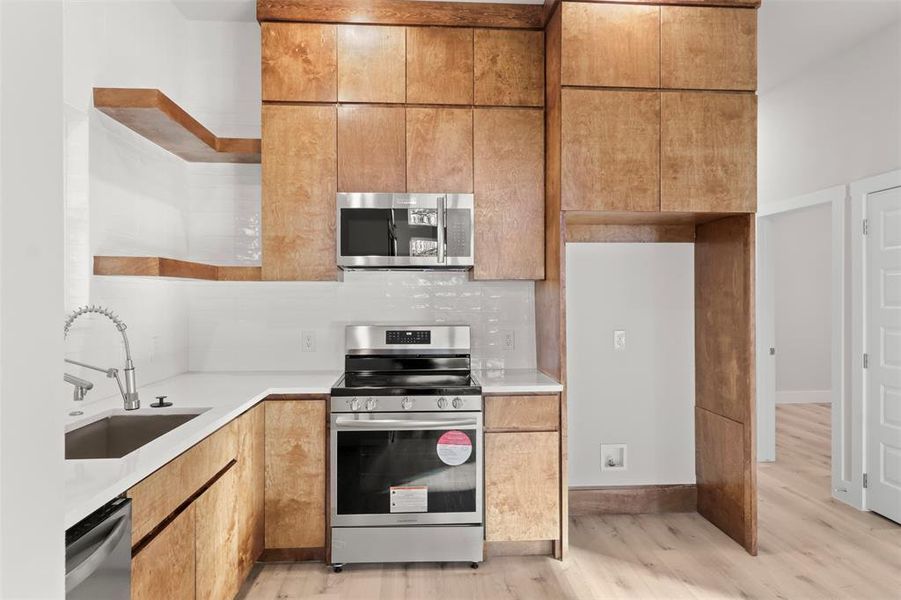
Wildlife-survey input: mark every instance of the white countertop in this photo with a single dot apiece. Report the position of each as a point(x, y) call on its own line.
point(92, 483)
point(516, 381)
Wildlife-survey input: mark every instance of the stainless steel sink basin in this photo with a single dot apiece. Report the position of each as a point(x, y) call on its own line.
point(115, 436)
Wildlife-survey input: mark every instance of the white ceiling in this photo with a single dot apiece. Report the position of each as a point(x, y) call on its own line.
point(794, 34)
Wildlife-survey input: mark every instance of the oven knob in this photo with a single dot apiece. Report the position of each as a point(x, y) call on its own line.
point(370, 403)
point(442, 402)
point(406, 403)
point(458, 402)
point(355, 404)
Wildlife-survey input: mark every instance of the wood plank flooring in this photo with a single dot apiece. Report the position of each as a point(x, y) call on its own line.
point(810, 547)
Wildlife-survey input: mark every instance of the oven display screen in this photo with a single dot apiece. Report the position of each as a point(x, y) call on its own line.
point(408, 337)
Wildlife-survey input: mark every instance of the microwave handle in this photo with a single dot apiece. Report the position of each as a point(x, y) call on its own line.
point(441, 241)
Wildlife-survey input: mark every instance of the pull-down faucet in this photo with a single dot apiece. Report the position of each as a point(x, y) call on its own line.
point(129, 392)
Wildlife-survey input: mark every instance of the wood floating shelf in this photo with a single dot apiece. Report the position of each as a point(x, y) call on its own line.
point(153, 115)
point(155, 266)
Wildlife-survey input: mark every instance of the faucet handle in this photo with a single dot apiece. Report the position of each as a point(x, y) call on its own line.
point(160, 402)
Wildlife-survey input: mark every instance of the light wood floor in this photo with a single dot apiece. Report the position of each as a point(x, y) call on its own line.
point(810, 547)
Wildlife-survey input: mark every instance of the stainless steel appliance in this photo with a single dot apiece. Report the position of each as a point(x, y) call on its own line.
point(98, 554)
point(406, 448)
point(405, 230)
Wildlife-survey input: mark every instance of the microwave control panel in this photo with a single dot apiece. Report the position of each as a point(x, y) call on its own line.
point(408, 337)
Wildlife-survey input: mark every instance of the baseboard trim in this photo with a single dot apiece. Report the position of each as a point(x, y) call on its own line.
point(536, 548)
point(633, 499)
point(804, 397)
point(292, 555)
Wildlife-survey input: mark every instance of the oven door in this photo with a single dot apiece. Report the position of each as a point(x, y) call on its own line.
point(406, 468)
point(404, 230)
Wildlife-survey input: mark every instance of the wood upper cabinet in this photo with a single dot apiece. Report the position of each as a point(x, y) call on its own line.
point(509, 67)
point(371, 63)
point(439, 65)
point(299, 154)
point(439, 150)
point(299, 62)
point(610, 149)
point(295, 473)
point(217, 539)
point(708, 152)
point(708, 48)
point(164, 568)
point(371, 148)
point(509, 193)
point(522, 486)
point(610, 45)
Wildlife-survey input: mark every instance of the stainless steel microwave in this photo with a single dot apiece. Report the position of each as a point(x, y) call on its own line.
point(405, 230)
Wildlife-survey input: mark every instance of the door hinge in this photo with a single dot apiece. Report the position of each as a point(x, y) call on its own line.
point(866, 360)
point(865, 480)
point(866, 227)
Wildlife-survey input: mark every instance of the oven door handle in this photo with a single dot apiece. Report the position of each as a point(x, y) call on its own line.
point(351, 423)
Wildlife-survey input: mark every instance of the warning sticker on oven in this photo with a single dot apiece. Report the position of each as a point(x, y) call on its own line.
point(409, 499)
point(454, 448)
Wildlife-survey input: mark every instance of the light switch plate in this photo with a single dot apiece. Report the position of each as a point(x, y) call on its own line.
point(508, 339)
point(308, 341)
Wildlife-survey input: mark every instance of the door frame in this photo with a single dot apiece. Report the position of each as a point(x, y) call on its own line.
point(855, 493)
point(766, 303)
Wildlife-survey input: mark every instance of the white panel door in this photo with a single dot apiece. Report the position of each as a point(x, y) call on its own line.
point(883, 346)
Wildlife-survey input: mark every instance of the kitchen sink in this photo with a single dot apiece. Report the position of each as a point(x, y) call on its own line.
point(116, 435)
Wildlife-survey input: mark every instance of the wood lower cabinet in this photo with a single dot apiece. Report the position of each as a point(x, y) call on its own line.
point(522, 486)
point(164, 568)
point(298, 62)
point(216, 538)
point(439, 150)
point(610, 45)
point(250, 470)
point(708, 48)
point(610, 150)
point(295, 473)
point(299, 155)
point(708, 152)
point(371, 148)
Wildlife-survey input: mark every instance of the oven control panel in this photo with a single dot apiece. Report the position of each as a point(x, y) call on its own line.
point(451, 403)
point(422, 336)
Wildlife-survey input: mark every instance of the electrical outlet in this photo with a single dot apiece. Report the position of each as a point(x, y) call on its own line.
point(308, 341)
point(508, 339)
point(613, 457)
point(619, 339)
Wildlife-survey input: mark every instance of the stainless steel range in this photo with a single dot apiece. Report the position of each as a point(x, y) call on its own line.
point(406, 448)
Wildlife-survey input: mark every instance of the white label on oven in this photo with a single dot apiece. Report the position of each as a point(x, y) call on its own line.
point(409, 499)
point(454, 448)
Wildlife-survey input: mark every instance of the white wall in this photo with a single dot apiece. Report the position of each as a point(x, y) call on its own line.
point(837, 121)
point(802, 277)
point(31, 300)
point(642, 396)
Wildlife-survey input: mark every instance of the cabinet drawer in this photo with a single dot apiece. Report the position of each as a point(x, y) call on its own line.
point(522, 413)
point(157, 496)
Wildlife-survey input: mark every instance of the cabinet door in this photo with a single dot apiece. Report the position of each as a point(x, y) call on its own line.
point(522, 486)
point(295, 473)
point(509, 191)
point(708, 48)
point(250, 469)
point(371, 63)
point(509, 67)
point(439, 150)
point(439, 65)
point(299, 187)
point(610, 45)
point(611, 145)
point(371, 149)
point(708, 152)
point(164, 568)
point(216, 539)
point(298, 62)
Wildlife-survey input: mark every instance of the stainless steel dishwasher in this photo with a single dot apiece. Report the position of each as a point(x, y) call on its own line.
point(98, 554)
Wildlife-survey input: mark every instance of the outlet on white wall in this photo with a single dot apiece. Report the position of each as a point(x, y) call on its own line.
point(508, 340)
point(613, 457)
point(619, 339)
point(308, 341)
